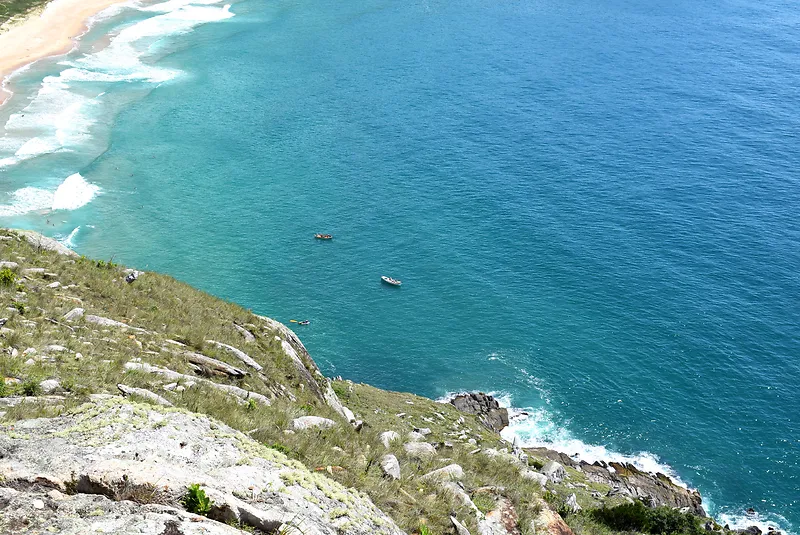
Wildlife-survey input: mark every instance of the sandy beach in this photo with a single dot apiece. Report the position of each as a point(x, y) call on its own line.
point(46, 33)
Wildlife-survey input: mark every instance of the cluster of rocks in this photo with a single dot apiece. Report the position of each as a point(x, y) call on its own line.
point(485, 407)
point(502, 519)
point(625, 479)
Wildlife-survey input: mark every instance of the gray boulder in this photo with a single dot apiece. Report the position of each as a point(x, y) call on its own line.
point(310, 422)
point(49, 385)
point(554, 472)
point(413, 436)
point(419, 450)
point(390, 466)
point(451, 472)
point(534, 476)
point(74, 314)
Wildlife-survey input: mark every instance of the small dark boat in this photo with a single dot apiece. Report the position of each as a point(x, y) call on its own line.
point(323, 236)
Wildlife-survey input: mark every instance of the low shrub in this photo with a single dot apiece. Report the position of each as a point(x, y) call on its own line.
point(7, 277)
point(658, 521)
point(195, 500)
point(31, 387)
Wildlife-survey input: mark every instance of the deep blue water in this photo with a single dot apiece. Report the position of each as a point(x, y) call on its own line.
point(592, 204)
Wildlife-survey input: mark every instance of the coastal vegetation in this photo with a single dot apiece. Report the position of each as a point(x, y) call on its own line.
point(17, 9)
point(77, 331)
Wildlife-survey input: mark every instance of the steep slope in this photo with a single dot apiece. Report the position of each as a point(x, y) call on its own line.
point(76, 329)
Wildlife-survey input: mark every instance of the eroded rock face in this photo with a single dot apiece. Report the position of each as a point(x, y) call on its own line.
point(485, 407)
point(129, 451)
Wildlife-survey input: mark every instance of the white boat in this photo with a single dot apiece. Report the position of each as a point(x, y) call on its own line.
point(389, 280)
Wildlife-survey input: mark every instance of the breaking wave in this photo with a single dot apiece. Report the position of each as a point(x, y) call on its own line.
point(71, 194)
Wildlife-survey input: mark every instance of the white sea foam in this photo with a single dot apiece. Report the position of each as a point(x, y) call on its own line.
point(743, 520)
point(62, 113)
point(73, 193)
point(536, 427)
point(27, 200)
point(68, 240)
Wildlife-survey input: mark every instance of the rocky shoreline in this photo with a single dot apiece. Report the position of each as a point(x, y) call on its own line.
point(624, 479)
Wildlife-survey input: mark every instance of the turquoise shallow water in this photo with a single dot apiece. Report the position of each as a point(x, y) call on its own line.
point(592, 205)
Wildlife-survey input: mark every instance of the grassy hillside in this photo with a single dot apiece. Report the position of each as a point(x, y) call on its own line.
point(166, 324)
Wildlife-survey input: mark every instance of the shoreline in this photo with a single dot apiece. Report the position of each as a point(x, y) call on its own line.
point(45, 33)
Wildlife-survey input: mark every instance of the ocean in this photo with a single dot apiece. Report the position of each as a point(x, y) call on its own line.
point(592, 205)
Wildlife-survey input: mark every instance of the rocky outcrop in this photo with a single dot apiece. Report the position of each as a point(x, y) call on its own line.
point(625, 479)
point(307, 368)
point(238, 353)
point(38, 511)
point(106, 322)
point(111, 454)
point(485, 407)
point(210, 365)
point(240, 393)
point(43, 242)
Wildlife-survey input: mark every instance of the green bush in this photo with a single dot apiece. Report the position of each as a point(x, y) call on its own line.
point(19, 306)
point(31, 387)
point(658, 521)
point(195, 500)
point(7, 277)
